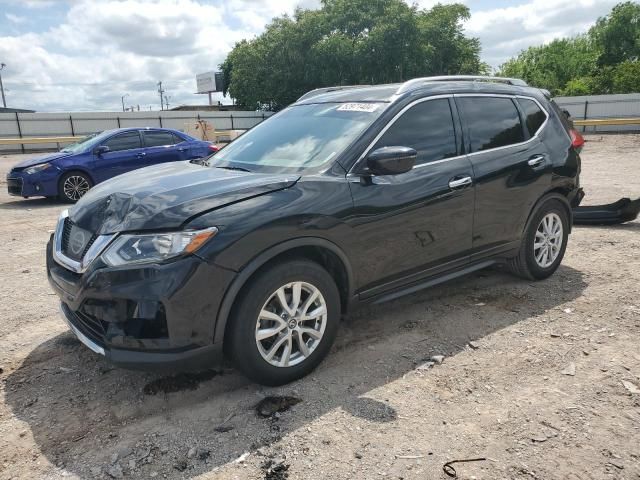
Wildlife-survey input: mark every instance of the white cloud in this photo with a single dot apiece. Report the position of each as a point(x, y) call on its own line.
point(31, 3)
point(106, 48)
point(15, 18)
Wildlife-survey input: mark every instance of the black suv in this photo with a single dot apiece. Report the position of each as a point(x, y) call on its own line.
point(350, 195)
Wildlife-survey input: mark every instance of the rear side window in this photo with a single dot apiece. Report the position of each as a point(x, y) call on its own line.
point(158, 139)
point(123, 141)
point(492, 122)
point(426, 127)
point(533, 114)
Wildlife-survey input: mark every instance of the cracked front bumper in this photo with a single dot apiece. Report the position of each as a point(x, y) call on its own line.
point(156, 315)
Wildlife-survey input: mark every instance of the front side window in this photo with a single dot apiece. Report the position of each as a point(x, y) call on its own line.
point(300, 138)
point(158, 139)
point(533, 114)
point(427, 128)
point(492, 122)
point(123, 141)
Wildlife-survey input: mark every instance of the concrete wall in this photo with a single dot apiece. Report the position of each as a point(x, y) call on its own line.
point(603, 106)
point(14, 125)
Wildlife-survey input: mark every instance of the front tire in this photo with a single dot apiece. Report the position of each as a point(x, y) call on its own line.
point(544, 242)
point(284, 322)
point(73, 186)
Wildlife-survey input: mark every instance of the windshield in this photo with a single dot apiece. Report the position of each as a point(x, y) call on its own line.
point(299, 138)
point(86, 143)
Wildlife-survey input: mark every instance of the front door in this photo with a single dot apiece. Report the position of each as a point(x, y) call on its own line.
point(125, 153)
point(411, 225)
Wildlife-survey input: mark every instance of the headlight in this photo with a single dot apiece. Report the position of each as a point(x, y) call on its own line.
point(37, 168)
point(156, 247)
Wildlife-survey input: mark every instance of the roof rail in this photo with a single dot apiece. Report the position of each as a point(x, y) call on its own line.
point(418, 82)
point(320, 91)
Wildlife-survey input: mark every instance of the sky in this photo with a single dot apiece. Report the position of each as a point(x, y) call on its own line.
point(84, 55)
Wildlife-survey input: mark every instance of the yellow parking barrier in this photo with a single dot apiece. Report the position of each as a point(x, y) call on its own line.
point(595, 122)
point(35, 140)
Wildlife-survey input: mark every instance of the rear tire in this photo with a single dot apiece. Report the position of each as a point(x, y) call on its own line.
point(544, 242)
point(73, 186)
point(284, 322)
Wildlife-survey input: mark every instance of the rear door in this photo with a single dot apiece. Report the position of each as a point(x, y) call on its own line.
point(125, 154)
point(512, 167)
point(411, 225)
point(164, 146)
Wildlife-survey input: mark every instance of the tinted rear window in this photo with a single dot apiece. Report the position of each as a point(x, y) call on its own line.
point(533, 114)
point(492, 122)
point(158, 139)
point(426, 127)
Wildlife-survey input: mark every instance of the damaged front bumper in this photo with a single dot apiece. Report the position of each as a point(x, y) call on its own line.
point(145, 316)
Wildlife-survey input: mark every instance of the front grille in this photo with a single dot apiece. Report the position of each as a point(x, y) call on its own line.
point(14, 186)
point(90, 326)
point(66, 233)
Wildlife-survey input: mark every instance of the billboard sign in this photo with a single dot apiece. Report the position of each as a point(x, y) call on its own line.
point(209, 82)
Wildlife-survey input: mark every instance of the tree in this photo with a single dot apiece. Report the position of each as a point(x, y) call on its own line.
point(553, 65)
point(601, 61)
point(618, 34)
point(626, 77)
point(349, 42)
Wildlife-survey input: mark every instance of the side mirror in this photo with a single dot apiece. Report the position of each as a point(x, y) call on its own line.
point(101, 149)
point(391, 160)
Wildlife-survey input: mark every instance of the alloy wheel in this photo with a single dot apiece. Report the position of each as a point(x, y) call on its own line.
point(75, 187)
point(291, 324)
point(548, 240)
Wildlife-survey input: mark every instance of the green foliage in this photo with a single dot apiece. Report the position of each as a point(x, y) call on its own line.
point(553, 65)
point(349, 42)
point(577, 86)
point(586, 64)
point(618, 34)
point(626, 77)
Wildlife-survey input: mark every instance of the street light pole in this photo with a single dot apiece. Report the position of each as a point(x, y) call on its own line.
point(4, 101)
point(122, 98)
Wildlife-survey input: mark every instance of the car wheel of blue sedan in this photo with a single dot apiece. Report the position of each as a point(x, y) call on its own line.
point(73, 186)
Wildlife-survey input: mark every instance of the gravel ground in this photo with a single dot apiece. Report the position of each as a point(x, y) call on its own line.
point(547, 388)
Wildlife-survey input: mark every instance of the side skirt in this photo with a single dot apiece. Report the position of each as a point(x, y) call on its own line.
point(430, 282)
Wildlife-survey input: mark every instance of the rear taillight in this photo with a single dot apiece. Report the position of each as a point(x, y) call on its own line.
point(577, 140)
point(213, 148)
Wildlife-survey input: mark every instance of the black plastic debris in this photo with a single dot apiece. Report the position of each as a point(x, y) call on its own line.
point(269, 406)
point(624, 210)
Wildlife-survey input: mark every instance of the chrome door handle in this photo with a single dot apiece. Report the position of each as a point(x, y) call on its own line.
point(141, 154)
point(460, 182)
point(536, 161)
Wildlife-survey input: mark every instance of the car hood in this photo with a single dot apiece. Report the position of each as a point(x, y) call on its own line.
point(40, 159)
point(166, 196)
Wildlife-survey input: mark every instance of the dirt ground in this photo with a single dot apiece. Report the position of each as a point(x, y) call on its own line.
point(545, 391)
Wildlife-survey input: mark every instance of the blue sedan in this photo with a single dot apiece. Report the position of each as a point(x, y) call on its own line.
point(71, 172)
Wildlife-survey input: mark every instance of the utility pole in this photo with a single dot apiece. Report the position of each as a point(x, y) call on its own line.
point(166, 102)
point(122, 98)
point(4, 102)
point(161, 92)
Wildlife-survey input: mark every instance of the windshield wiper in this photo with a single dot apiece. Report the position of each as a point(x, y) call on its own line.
point(236, 168)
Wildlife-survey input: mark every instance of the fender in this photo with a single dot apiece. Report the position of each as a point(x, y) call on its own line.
point(76, 168)
point(547, 196)
point(261, 259)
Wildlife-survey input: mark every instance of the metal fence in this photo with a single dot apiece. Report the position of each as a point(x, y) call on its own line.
point(19, 125)
point(603, 107)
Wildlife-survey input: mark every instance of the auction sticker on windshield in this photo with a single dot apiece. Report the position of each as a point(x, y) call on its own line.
point(358, 107)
